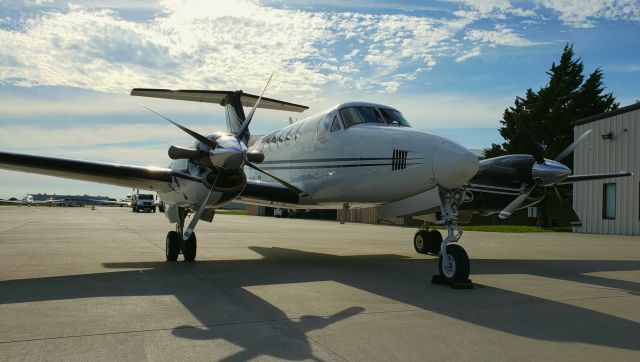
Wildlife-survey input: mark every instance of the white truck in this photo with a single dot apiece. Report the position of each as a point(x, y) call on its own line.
point(143, 202)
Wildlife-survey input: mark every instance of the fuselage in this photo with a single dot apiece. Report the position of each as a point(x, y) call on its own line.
point(363, 154)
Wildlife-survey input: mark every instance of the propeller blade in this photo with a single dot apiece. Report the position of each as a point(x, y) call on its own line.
point(245, 124)
point(196, 217)
point(284, 183)
point(574, 219)
point(516, 203)
point(193, 134)
point(536, 150)
point(562, 155)
point(177, 152)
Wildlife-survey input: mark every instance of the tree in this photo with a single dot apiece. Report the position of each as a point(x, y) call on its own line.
point(549, 112)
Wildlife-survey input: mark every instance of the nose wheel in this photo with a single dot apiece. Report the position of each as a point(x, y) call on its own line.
point(427, 241)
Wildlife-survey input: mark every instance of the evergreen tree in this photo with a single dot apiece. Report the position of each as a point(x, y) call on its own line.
point(549, 112)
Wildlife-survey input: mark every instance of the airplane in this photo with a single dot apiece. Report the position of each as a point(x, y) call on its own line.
point(28, 201)
point(353, 155)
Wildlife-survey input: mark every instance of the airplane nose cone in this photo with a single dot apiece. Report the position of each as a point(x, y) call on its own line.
point(453, 165)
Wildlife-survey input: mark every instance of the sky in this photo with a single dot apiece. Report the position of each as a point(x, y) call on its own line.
point(451, 67)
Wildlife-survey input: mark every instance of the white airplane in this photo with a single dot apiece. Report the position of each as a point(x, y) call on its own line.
point(353, 155)
point(28, 201)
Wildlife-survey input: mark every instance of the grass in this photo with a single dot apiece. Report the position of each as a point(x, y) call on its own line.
point(231, 212)
point(509, 228)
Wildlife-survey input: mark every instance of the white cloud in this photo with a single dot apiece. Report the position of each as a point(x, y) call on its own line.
point(225, 45)
point(501, 35)
point(469, 54)
point(583, 13)
point(499, 9)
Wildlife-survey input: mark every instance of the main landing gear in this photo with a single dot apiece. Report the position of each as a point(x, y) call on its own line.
point(453, 264)
point(175, 244)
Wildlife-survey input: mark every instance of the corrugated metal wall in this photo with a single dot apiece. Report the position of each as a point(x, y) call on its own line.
point(595, 155)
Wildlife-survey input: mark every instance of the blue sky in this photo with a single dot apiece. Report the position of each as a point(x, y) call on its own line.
point(451, 67)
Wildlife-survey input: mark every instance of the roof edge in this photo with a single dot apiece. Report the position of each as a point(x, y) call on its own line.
point(600, 116)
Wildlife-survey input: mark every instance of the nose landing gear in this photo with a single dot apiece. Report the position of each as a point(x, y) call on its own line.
point(453, 265)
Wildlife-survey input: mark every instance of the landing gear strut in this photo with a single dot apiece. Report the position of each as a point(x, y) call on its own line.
point(176, 244)
point(453, 264)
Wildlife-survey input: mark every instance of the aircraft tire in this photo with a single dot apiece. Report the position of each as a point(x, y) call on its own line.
point(434, 241)
point(458, 271)
point(172, 246)
point(420, 241)
point(190, 248)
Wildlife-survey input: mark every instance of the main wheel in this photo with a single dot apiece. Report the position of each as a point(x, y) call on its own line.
point(420, 241)
point(434, 241)
point(172, 246)
point(458, 269)
point(190, 248)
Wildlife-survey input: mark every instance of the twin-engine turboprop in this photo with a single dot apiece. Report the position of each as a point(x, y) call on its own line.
point(353, 155)
point(28, 201)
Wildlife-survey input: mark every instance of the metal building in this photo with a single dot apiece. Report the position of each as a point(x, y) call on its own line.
point(609, 206)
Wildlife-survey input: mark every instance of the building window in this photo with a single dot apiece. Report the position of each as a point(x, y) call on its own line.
point(609, 201)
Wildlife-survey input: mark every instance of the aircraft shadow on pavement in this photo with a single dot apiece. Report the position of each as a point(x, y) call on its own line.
point(208, 288)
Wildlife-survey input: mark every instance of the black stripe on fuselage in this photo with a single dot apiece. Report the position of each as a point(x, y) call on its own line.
point(319, 160)
point(308, 167)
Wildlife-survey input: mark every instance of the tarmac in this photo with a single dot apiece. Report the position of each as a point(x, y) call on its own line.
point(78, 284)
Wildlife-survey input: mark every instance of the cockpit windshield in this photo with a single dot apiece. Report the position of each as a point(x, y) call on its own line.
point(391, 116)
point(354, 115)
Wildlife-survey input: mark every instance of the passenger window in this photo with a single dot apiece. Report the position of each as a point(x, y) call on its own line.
point(281, 138)
point(297, 136)
point(288, 136)
point(335, 125)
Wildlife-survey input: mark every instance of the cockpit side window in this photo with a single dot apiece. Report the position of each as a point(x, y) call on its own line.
point(393, 117)
point(335, 124)
point(354, 115)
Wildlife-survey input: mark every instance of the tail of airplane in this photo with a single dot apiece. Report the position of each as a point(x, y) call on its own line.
point(233, 101)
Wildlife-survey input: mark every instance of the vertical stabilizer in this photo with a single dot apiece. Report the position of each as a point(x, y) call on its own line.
point(234, 113)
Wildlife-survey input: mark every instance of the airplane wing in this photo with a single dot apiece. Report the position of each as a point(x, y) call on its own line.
point(261, 192)
point(147, 178)
point(46, 202)
point(111, 202)
point(12, 202)
point(597, 176)
point(212, 96)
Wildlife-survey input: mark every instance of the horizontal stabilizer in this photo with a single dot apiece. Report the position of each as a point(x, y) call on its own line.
point(211, 96)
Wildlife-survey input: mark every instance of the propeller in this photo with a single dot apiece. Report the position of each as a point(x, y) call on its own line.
point(250, 159)
point(545, 173)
